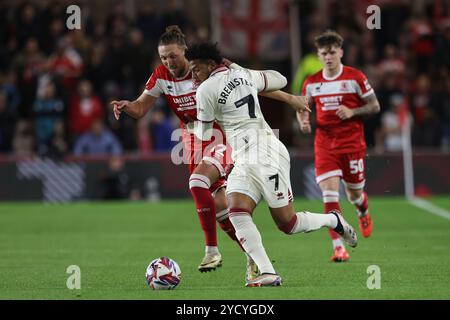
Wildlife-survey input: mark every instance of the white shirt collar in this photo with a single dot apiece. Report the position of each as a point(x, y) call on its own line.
point(341, 68)
point(219, 69)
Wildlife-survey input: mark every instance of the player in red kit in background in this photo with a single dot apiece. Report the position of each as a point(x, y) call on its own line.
point(208, 163)
point(342, 97)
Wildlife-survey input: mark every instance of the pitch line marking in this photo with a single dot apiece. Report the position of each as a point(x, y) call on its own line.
point(429, 207)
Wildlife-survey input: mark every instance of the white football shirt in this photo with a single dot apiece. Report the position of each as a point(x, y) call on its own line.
point(230, 97)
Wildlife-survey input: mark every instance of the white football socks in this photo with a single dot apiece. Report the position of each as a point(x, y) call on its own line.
point(251, 241)
point(330, 196)
point(307, 221)
point(358, 201)
point(338, 243)
point(211, 250)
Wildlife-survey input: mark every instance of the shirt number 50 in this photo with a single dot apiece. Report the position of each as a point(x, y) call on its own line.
point(356, 166)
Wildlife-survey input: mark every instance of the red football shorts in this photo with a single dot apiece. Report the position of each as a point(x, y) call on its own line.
point(349, 166)
point(219, 156)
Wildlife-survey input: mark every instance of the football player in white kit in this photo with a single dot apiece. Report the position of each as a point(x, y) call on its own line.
point(261, 161)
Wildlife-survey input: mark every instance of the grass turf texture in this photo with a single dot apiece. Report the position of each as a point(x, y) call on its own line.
point(113, 243)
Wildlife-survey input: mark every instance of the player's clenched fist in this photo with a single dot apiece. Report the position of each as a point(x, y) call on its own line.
point(344, 113)
point(118, 107)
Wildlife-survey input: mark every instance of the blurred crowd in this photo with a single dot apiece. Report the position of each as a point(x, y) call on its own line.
point(407, 61)
point(56, 84)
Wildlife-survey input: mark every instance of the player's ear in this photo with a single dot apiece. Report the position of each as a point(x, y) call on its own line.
point(211, 65)
point(341, 52)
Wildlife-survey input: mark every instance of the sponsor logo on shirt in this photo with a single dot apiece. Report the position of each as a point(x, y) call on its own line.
point(317, 89)
point(184, 103)
point(330, 103)
point(344, 87)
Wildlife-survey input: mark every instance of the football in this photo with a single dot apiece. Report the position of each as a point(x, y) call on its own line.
point(163, 274)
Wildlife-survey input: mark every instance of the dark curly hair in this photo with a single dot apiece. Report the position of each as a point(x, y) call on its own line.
point(204, 51)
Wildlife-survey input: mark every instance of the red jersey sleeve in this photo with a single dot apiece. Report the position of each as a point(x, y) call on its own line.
point(153, 86)
point(364, 88)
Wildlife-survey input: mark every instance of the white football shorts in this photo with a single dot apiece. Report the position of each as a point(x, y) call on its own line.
point(269, 178)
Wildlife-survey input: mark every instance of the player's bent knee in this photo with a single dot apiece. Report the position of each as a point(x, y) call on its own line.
point(220, 199)
point(239, 200)
point(208, 168)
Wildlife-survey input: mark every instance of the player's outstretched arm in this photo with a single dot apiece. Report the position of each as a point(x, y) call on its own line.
point(135, 109)
point(299, 103)
point(273, 79)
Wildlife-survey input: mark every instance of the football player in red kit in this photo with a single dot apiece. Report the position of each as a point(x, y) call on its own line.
point(209, 162)
point(342, 96)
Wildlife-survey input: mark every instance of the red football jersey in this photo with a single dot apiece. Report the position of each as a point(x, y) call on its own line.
point(347, 88)
point(180, 95)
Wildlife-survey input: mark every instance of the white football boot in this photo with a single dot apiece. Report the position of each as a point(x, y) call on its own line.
point(210, 262)
point(265, 280)
point(345, 230)
point(252, 270)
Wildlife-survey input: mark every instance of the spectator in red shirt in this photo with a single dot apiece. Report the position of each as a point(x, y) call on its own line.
point(85, 108)
point(66, 64)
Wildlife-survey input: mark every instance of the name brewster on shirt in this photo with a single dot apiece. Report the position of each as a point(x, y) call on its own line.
point(233, 84)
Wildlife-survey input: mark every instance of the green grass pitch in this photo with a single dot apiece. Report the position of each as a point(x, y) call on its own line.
point(113, 243)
